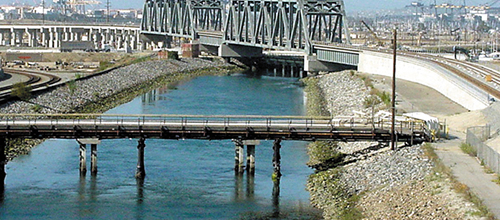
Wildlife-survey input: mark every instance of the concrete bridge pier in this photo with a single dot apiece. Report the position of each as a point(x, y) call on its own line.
point(251, 154)
point(140, 173)
point(93, 155)
point(238, 158)
point(83, 159)
point(93, 159)
point(239, 166)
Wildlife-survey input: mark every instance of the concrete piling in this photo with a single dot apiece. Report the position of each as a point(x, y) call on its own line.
point(140, 173)
point(250, 154)
point(93, 159)
point(83, 159)
point(276, 159)
point(251, 158)
point(238, 158)
point(93, 155)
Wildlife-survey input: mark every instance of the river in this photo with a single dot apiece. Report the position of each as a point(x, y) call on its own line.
point(186, 179)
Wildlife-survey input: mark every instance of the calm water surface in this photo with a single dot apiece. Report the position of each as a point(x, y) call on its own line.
point(186, 179)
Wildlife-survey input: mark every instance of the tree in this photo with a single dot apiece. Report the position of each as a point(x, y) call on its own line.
point(22, 91)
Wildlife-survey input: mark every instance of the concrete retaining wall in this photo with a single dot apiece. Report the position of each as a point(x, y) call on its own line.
point(425, 73)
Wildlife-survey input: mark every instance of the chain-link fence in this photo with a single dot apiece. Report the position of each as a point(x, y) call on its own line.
point(476, 137)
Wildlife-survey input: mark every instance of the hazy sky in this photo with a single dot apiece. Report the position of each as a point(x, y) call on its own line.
point(351, 5)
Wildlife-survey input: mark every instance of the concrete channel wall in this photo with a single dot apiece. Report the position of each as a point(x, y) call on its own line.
point(425, 73)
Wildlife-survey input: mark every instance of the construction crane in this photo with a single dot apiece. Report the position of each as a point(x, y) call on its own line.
point(75, 5)
point(379, 42)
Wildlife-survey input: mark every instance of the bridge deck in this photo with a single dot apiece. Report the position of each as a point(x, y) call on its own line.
point(207, 127)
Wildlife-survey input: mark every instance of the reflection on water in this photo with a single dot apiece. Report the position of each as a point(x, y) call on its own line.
point(276, 197)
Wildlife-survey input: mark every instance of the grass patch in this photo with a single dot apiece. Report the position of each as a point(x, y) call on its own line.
point(442, 171)
point(468, 149)
point(497, 180)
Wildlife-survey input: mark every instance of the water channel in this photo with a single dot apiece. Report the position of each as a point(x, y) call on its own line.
point(186, 179)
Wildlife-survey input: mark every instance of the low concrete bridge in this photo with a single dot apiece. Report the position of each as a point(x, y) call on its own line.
point(243, 130)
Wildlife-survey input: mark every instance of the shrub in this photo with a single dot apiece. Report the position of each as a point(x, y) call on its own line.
point(22, 91)
point(468, 149)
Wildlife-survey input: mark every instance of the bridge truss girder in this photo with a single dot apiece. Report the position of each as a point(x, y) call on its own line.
point(181, 18)
point(282, 24)
point(277, 24)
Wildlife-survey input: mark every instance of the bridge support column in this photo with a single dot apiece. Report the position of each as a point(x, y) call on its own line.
point(283, 69)
point(93, 159)
point(251, 158)
point(238, 158)
point(93, 155)
point(140, 173)
point(3, 161)
point(276, 159)
point(83, 159)
point(251, 154)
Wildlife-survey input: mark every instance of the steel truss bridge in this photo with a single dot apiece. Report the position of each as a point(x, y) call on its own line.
point(243, 28)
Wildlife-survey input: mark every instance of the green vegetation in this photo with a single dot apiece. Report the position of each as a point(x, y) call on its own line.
point(173, 55)
point(497, 180)
point(329, 193)
point(22, 91)
point(468, 149)
point(36, 108)
point(71, 86)
point(321, 152)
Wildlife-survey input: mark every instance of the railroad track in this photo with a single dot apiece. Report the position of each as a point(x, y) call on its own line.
point(472, 72)
point(35, 80)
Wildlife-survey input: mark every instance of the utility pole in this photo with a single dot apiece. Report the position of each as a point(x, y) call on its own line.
point(393, 108)
point(107, 11)
point(43, 12)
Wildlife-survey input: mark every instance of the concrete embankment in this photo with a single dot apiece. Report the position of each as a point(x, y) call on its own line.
point(425, 73)
point(103, 92)
point(377, 183)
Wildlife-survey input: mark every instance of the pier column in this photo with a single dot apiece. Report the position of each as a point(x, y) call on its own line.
point(3, 161)
point(83, 159)
point(277, 159)
point(238, 158)
point(251, 154)
point(251, 158)
point(93, 155)
point(140, 173)
point(93, 159)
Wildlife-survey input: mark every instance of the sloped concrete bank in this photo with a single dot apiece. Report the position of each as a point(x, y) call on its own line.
point(103, 92)
point(378, 183)
point(425, 73)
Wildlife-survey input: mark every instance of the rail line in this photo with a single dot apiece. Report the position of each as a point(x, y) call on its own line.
point(465, 70)
point(35, 81)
